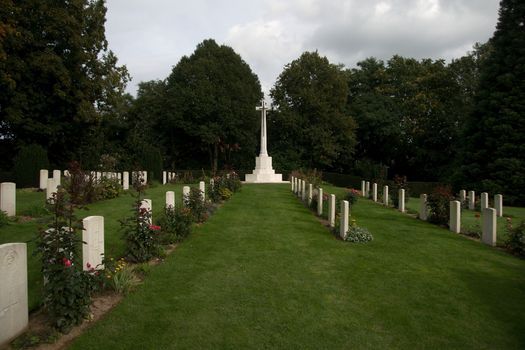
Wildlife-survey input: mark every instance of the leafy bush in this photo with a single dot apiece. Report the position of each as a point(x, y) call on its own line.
point(352, 195)
point(119, 277)
point(233, 182)
point(358, 234)
point(67, 291)
point(35, 211)
point(4, 219)
point(400, 182)
point(151, 160)
point(80, 185)
point(438, 203)
point(198, 207)
point(515, 241)
point(108, 188)
point(176, 224)
point(28, 163)
point(313, 177)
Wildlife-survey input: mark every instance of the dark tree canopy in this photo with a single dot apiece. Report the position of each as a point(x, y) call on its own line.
point(312, 128)
point(494, 156)
point(56, 74)
point(211, 98)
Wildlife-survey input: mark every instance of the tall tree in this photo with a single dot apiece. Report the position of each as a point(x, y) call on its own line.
point(494, 156)
point(211, 95)
point(55, 70)
point(312, 127)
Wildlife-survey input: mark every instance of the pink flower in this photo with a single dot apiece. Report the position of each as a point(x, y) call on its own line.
point(154, 227)
point(88, 265)
point(66, 262)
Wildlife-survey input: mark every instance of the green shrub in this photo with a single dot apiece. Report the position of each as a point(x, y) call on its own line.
point(175, 224)
point(108, 188)
point(357, 234)
point(438, 203)
point(352, 195)
point(197, 207)
point(151, 161)
point(515, 241)
point(80, 185)
point(400, 182)
point(4, 219)
point(29, 161)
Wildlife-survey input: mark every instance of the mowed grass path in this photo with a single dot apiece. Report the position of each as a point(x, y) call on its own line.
point(264, 273)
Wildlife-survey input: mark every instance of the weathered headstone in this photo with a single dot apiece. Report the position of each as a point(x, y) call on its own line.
point(66, 173)
point(145, 176)
point(202, 188)
point(147, 204)
point(291, 182)
point(484, 200)
point(320, 202)
point(498, 204)
point(343, 228)
point(489, 233)
point(303, 190)
point(471, 200)
point(367, 189)
point(170, 199)
point(14, 314)
point(44, 175)
point(310, 194)
point(423, 210)
point(462, 196)
point(57, 177)
point(455, 217)
point(125, 180)
point(8, 198)
point(401, 198)
point(385, 195)
point(93, 236)
point(164, 178)
point(374, 192)
point(50, 188)
point(185, 195)
point(331, 210)
point(363, 188)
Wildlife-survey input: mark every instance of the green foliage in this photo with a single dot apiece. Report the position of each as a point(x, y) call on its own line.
point(400, 182)
point(352, 196)
point(313, 177)
point(56, 74)
point(358, 234)
point(312, 127)
point(29, 161)
point(118, 276)
point(151, 161)
point(493, 162)
point(4, 219)
point(224, 187)
point(210, 99)
point(176, 224)
point(438, 203)
point(108, 188)
point(80, 185)
point(67, 291)
point(198, 207)
point(515, 241)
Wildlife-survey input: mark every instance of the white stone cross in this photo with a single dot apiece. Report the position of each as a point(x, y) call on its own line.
point(263, 108)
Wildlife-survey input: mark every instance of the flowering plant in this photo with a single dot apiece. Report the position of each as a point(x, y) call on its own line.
point(352, 195)
point(515, 241)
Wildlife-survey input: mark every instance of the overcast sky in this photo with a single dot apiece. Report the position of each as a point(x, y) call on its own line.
point(151, 36)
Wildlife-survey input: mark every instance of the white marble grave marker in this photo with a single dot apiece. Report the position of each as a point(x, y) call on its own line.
point(385, 195)
point(8, 198)
point(125, 180)
point(202, 188)
point(343, 228)
point(462, 196)
point(367, 189)
point(484, 200)
point(310, 194)
point(14, 314)
point(292, 182)
point(331, 210)
point(147, 204)
point(93, 235)
point(401, 198)
point(455, 217)
point(471, 200)
point(374, 192)
point(44, 175)
point(50, 188)
point(303, 190)
point(488, 234)
point(423, 210)
point(363, 188)
point(57, 176)
point(498, 204)
point(170, 199)
point(185, 195)
point(320, 202)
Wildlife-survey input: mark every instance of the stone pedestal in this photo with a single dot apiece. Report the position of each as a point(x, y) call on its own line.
point(263, 172)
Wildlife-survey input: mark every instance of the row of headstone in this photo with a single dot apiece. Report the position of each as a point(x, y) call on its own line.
point(365, 192)
point(168, 176)
point(8, 198)
point(298, 188)
point(186, 192)
point(51, 184)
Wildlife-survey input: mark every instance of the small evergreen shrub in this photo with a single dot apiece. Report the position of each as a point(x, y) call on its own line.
point(515, 241)
point(352, 195)
point(438, 203)
point(176, 224)
point(358, 234)
point(108, 188)
point(29, 161)
point(197, 207)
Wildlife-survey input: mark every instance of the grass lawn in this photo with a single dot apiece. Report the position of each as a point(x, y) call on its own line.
point(31, 202)
point(264, 273)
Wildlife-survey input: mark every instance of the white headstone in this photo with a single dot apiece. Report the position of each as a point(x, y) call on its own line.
point(291, 182)
point(56, 176)
point(50, 188)
point(462, 196)
point(147, 204)
point(93, 235)
point(145, 176)
point(401, 198)
point(471, 200)
point(331, 210)
point(66, 173)
point(303, 190)
point(125, 180)
point(374, 192)
point(170, 199)
point(343, 228)
point(310, 194)
point(423, 211)
point(484, 200)
point(44, 175)
point(363, 188)
point(489, 233)
point(320, 202)
point(8, 198)
point(202, 188)
point(14, 314)
point(385, 195)
point(455, 217)
point(164, 178)
point(367, 189)
point(498, 204)
point(185, 195)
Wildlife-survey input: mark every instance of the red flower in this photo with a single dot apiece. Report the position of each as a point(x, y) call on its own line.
point(66, 262)
point(88, 265)
point(154, 227)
